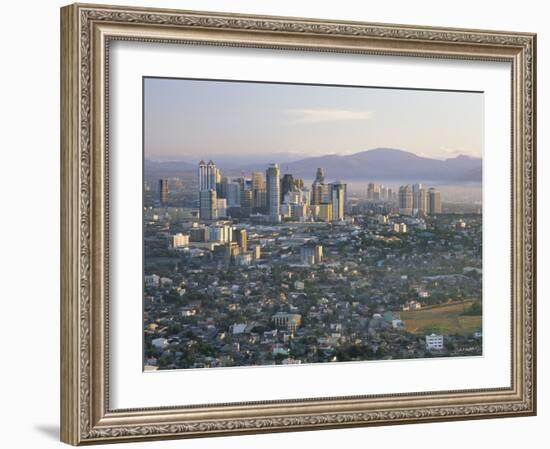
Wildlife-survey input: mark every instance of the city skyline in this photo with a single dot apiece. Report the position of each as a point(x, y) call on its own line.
point(276, 262)
point(305, 120)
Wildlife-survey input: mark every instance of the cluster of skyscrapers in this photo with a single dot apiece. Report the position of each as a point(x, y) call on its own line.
point(417, 200)
point(274, 196)
point(413, 200)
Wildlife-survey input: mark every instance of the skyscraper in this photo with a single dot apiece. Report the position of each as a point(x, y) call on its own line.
point(242, 240)
point(422, 201)
point(163, 192)
point(203, 176)
point(338, 199)
point(434, 201)
point(320, 176)
point(416, 197)
point(208, 205)
point(273, 191)
point(287, 185)
point(259, 196)
point(318, 188)
point(405, 200)
point(373, 192)
point(211, 176)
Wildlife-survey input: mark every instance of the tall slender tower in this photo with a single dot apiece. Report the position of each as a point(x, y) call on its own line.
point(273, 191)
point(405, 200)
point(163, 192)
point(434, 201)
point(338, 200)
point(202, 176)
point(211, 176)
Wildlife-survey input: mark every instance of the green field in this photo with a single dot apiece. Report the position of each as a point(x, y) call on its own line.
point(445, 319)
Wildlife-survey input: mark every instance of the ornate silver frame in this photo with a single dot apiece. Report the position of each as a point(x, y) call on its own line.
point(86, 33)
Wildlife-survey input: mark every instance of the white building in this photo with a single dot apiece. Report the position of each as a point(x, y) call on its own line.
point(434, 342)
point(180, 240)
point(152, 280)
point(274, 191)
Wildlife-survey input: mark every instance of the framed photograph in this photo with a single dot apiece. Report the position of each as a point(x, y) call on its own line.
point(278, 224)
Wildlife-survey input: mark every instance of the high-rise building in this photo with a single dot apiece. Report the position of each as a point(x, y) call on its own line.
point(338, 199)
point(233, 194)
point(242, 239)
point(311, 254)
point(246, 202)
point(405, 200)
point(319, 189)
point(320, 176)
point(180, 240)
point(163, 192)
point(373, 192)
point(208, 205)
point(257, 252)
point(434, 201)
point(211, 176)
point(258, 181)
point(416, 197)
point(259, 194)
point(422, 202)
point(287, 185)
point(203, 176)
point(273, 191)
point(299, 183)
point(323, 211)
point(221, 206)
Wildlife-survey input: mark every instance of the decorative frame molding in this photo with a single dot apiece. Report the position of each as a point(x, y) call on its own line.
point(86, 32)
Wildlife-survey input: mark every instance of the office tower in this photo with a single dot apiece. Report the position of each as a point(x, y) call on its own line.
point(316, 193)
point(163, 192)
point(405, 200)
point(422, 202)
point(383, 193)
point(258, 181)
point(338, 198)
point(434, 201)
point(246, 202)
point(318, 188)
point(221, 206)
point(287, 185)
point(320, 176)
point(273, 191)
point(323, 211)
point(242, 239)
point(233, 194)
point(389, 194)
point(373, 192)
point(211, 176)
point(203, 176)
point(416, 197)
point(259, 195)
point(208, 205)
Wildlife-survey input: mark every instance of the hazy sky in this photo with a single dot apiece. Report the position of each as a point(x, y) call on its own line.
point(191, 119)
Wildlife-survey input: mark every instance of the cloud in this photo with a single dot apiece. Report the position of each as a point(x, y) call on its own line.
point(323, 115)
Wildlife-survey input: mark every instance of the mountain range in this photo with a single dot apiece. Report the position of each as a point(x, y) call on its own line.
point(379, 164)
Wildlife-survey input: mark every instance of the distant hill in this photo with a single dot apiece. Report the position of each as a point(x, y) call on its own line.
point(379, 164)
point(387, 164)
